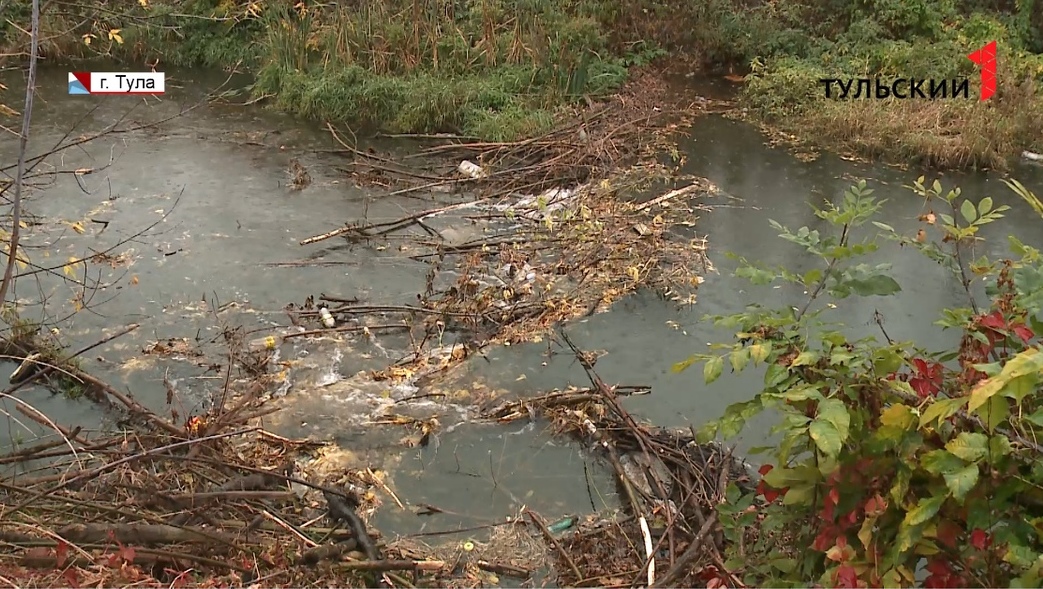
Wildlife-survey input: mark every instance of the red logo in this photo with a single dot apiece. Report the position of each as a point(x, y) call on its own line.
point(986, 58)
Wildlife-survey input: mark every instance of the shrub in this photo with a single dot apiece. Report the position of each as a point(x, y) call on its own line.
point(896, 466)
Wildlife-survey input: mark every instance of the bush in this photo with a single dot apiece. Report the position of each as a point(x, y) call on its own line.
point(896, 466)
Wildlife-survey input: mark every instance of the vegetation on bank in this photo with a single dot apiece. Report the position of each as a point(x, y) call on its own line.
point(500, 69)
point(790, 46)
point(494, 69)
point(894, 466)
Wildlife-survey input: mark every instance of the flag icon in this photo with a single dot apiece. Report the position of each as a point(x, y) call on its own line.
point(76, 86)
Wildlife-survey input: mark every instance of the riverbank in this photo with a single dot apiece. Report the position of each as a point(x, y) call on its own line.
point(499, 72)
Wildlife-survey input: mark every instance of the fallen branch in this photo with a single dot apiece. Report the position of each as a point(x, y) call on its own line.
point(392, 565)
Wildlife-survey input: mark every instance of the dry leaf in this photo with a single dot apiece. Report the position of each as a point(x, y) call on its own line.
point(83, 171)
point(78, 228)
point(114, 35)
point(133, 279)
point(921, 236)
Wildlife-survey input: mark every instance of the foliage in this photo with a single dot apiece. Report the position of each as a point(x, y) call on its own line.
point(895, 465)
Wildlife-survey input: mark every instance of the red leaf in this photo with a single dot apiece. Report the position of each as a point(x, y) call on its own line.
point(876, 505)
point(1024, 333)
point(715, 583)
point(72, 577)
point(61, 552)
point(852, 518)
point(765, 469)
point(921, 365)
point(113, 560)
point(767, 492)
point(980, 539)
point(825, 539)
point(127, 553)
point(994, 320)
point(847, 577)
point(939, 567)
point(707, 572)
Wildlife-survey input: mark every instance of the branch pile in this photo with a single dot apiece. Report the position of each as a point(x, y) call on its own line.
point(590, 142)
point(213, 500)
point(670, 484)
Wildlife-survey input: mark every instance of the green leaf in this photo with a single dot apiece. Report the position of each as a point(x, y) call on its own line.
point(886, 361)
point(1025, 363)
point(800, 495)
point(907, 537)
point(739, 359)
point(968, 211)
point(985, 205)
point(707, 432)
point(1021, 387)
point(781, 478)
point(835, 412)
point(758, 352)
point(1036, 418)
point(941, 409)
point(841, 357)
point(712, 369)
point(802, 393)
point(995, 412)
point(942, 462)
point(775, 375)
point(970, 446)
point(826, 437)
point(898, 416)
point(805, 358)
point(999, 446)
point(1020, 556)
point(962, 481)
point(879, 285)
point(926, 509)
point(684, 364)
point(812, 277)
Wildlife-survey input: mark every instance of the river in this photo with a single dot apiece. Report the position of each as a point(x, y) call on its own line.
point(236, 226)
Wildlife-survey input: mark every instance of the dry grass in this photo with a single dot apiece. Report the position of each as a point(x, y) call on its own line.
point(943, 134)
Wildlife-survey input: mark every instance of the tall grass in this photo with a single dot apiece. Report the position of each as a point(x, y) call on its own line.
point(496, 69)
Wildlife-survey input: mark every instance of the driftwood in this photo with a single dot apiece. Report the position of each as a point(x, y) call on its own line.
point(130, 534)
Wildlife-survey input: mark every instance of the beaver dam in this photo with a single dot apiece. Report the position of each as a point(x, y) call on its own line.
point(239, 460)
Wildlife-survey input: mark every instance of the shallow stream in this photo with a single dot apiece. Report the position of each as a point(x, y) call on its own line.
point(220, 175)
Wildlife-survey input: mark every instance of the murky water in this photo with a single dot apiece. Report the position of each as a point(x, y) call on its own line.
point(220, 175)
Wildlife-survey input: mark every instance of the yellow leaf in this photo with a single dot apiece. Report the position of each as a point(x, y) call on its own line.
point(69, 268)
point(23, 224)
point(87, 38)
point(114, 35)
point(143, 3)
point(78, 228)
point(634, 273)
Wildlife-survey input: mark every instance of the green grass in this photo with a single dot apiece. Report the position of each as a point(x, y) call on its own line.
point(502, 69)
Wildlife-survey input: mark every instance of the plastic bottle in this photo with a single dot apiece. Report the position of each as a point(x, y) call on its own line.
point(327, 317)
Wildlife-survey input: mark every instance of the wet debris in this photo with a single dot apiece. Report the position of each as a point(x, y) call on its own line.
point(176, 346)
point(299, 176)
point(670, 483)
